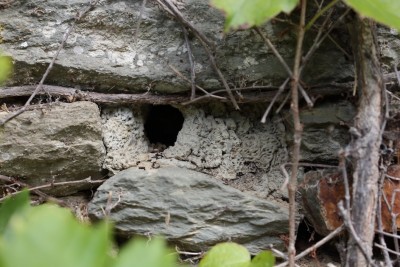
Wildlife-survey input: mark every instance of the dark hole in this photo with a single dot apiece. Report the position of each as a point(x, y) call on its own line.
point(163, 124)
point(307, 237)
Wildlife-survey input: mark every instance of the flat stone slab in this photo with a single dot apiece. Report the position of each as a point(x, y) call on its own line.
point(189, 208)
point(57, 143)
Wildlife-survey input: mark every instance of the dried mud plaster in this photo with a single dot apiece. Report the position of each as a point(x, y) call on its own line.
point(229, 145)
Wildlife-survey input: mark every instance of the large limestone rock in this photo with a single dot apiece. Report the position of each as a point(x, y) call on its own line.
point(61, 142)
point(102, 54)
point(189, 208)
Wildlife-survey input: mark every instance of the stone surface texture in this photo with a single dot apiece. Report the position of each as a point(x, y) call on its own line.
point(123, 136)
point(102, 54)
point(189, 208)
point(229, 145)
point(321, 191)
point(61, 142)
point(326, 130)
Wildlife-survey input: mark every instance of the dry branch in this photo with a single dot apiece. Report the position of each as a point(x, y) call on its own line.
point(85, 181)
point(323, 241)
point(207, 45)
point(298, 129)
point(254, 94)
point(365, 147)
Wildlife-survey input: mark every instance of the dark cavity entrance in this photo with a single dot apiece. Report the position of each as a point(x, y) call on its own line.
point(162, 124)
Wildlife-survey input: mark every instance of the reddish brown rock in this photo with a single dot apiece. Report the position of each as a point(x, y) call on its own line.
point(391, 192)
point(321, 192)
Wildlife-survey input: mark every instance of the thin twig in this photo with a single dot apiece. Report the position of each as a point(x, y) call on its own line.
point(191, 64)
point(283, 62)
point(392, 95)
point(274, 50)
point(252, 95)
point(142, 7)
point(318, 40)
point(349, 225)
point(197, 86)
point(83, 181)
point(300, 164)
point(394, 222)
point(207, 45)
point(187, 23)
point(397, 75)
point(277, 252)
point(342, 166)
point(392, 177)
point(110, 205)
point(60, 47)
point(296, 137)
point(323, 241)
point(388, 234)
point(339, 46)
point(282, 104)
point(319, 14)
point(389, 250)
point(379, 217)
point(187, 252)
point(8, 179)
point(278, 93)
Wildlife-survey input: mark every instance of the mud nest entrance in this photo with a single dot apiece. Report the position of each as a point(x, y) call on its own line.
point(162, 124)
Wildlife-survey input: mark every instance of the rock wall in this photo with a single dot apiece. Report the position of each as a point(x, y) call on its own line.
point(215, 145)
point(71, 141)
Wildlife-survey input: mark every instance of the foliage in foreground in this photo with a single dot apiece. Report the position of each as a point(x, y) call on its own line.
point(241, 14)
point(234, 255)
point(5, 67)
point(48, 236)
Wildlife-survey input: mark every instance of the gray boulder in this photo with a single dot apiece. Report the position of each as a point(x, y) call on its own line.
point(102, 54)
point(59, 143)
point(189, 208)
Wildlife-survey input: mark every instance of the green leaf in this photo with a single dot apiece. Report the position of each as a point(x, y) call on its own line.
point(141, 253)
point(11, 206)
point(226, 255)
point(383, 11)
point(263, 259)
point(6, 67)
point(242, 14)
point(49, 236)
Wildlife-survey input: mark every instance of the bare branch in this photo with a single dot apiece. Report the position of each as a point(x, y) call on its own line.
point(379, 218)
point(253, 94)
point(191, 63)
point(278, 93)
point(296, 137)
point(349, 225)
point(142, 7)
point(207, 45)
point(387, 249)
point(83, 182)
point(284, 64)
point(323, 241)
point(196, 86)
